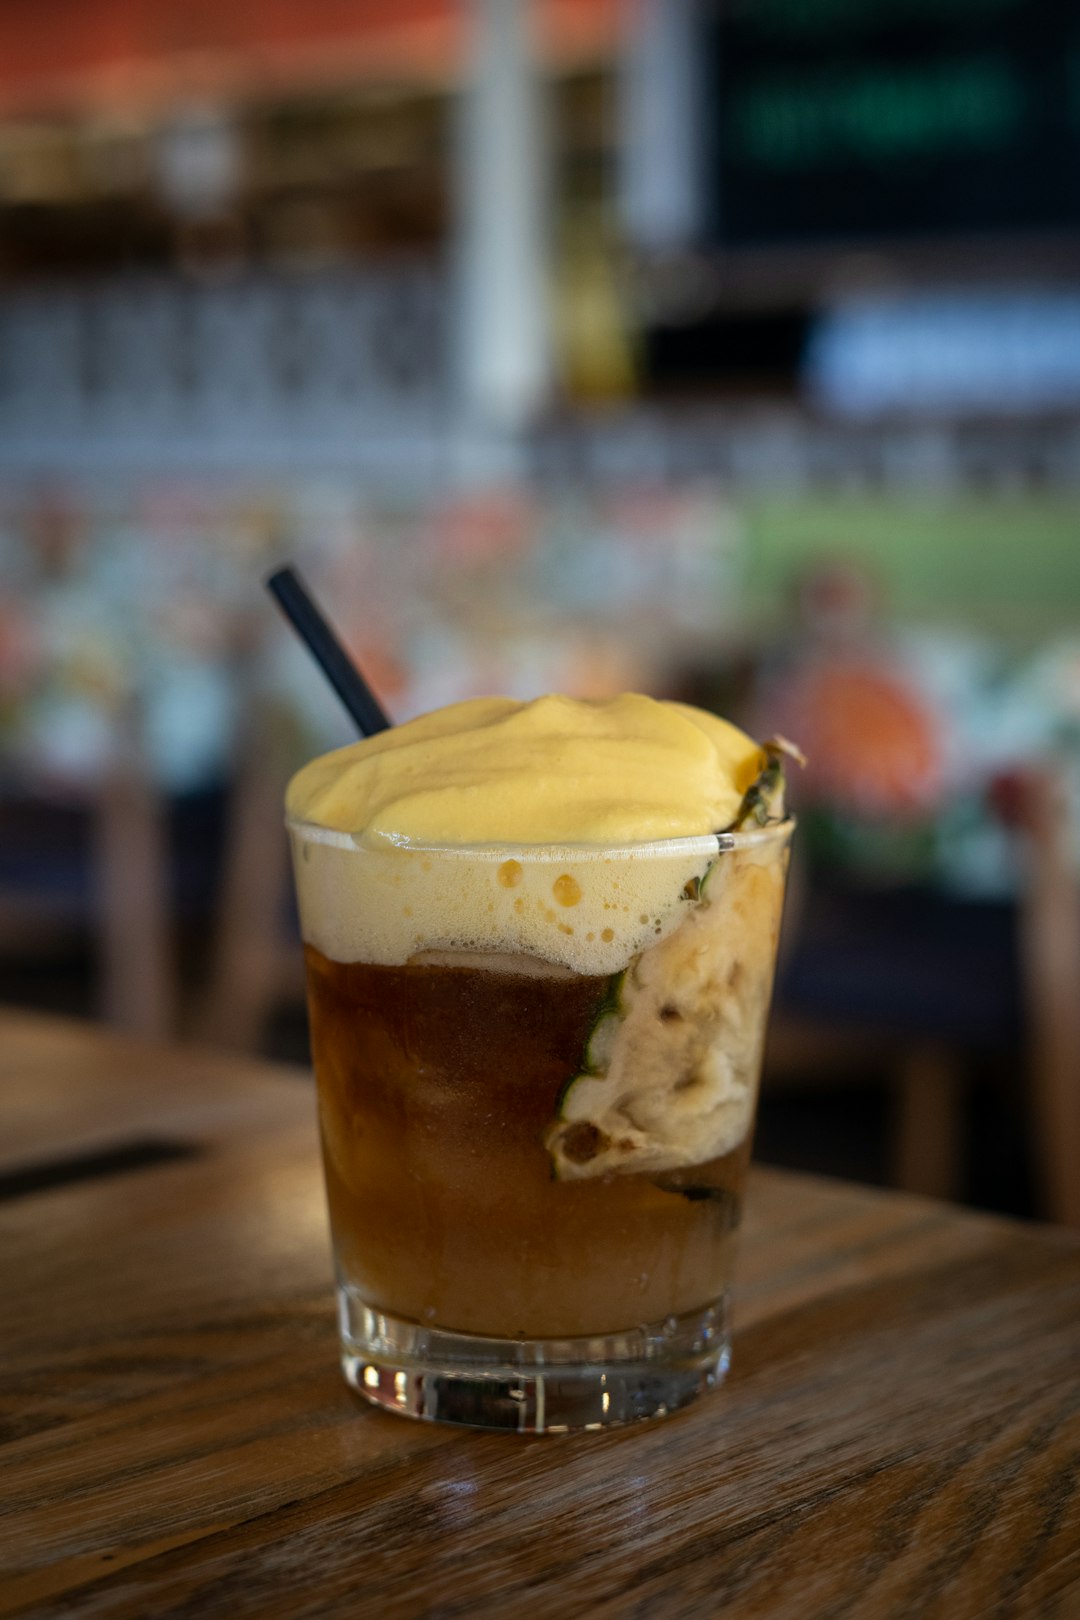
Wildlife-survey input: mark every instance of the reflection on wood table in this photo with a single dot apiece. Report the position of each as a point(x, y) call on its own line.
point(899, 1435)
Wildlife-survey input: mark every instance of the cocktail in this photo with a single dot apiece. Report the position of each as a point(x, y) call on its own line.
point(538, 991)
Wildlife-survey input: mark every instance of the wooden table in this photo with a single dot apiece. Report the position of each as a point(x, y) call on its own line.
point(899, 1436)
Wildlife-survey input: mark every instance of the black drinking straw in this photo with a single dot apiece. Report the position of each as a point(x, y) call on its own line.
point(298, 606)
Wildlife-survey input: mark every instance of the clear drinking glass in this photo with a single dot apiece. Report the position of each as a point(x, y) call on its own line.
point(537, 1071)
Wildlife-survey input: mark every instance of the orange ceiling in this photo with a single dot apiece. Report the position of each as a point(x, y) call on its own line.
point(60, 56)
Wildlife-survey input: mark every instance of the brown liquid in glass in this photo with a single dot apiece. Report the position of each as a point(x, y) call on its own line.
point(436, 1083)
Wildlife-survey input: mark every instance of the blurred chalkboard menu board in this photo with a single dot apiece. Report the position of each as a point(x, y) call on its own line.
point(867, 119)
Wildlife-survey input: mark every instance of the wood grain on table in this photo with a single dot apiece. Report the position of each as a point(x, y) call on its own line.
point(899, 1435)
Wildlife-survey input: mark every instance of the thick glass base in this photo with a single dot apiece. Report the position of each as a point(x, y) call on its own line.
point(532, 1386)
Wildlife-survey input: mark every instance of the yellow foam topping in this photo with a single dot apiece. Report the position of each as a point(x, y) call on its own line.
point(555, 771)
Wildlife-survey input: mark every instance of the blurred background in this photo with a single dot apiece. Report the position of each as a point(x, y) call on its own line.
point(722, 350)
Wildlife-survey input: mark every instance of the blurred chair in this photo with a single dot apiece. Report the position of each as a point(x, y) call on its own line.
point(906, 986)
point(843, 1010)
point(256, 961)
point(139, 989)
point(112, 885)
point(1050, 957)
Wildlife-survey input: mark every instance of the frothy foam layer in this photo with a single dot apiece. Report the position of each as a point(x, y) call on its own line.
point(559, 830)
point(583, 909)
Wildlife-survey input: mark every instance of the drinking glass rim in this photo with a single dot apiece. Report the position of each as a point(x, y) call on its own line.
point(716, 843)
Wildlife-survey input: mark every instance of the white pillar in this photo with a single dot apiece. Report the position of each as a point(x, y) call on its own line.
point(503, 308)
point(661, 125)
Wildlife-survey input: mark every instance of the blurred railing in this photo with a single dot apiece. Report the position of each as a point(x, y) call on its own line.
point(351, 371)
point(259, 370)
point(782, 446)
